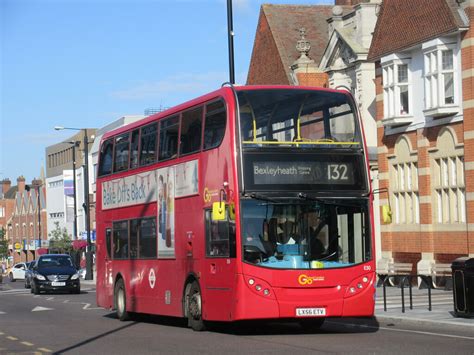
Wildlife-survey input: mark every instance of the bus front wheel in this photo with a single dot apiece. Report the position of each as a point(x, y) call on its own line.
point(194, 308)
point(120, 301)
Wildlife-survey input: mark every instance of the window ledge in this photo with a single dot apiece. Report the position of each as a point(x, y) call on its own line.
point(441, 111)
point(397, 121)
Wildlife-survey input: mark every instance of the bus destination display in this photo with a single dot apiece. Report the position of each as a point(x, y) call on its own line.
point(302, 173)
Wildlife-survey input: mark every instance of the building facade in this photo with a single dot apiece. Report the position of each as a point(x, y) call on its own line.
point(424, 108)
point(65, 165)
point(26, 228)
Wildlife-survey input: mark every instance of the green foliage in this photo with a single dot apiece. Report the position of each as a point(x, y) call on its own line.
point(59, 240)
point(3, 243)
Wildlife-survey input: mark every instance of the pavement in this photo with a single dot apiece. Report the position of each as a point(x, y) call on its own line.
point(442, 307)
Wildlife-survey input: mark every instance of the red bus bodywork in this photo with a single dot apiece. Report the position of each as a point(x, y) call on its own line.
point(227, 284)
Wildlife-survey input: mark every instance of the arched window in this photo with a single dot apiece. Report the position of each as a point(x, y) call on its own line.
point(447, 179)
point(404, 183)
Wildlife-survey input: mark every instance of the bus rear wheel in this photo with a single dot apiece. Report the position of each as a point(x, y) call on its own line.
point(120, 301)
point(194, 308)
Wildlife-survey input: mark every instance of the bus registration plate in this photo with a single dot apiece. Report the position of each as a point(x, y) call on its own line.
point(55, 283)
point(310, 312)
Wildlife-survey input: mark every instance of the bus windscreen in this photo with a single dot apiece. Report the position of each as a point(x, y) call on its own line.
point(297, 118)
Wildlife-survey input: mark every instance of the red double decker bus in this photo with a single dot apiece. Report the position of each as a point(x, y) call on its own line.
point(246, 203)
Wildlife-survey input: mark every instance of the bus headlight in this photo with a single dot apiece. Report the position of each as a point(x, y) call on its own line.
point(359, 285)
point(260, 287)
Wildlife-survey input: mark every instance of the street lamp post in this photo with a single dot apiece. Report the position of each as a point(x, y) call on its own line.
point(230, 40)
point(89, 275)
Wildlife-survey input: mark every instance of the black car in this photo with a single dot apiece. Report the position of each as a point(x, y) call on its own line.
point(29, 273)
point(55, 272)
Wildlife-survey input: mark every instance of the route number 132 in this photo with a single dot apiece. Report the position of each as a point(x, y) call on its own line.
point(337, 172)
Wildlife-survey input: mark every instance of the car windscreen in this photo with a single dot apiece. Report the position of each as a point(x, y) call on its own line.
point(55, 261)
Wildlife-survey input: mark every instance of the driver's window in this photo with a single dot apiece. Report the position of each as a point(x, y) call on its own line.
point(220, 237)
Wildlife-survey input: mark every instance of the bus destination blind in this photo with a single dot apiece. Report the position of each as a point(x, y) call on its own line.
point(302, 173)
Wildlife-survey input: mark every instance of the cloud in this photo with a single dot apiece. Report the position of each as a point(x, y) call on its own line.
point(182, 83)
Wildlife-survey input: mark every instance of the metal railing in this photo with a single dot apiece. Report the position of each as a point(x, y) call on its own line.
point(428, 280)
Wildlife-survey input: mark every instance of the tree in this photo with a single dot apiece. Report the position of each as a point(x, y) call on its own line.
point(3, 244)
point(60, 240)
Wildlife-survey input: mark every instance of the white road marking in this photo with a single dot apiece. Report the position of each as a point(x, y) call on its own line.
point(2, 312)
point(39, 309)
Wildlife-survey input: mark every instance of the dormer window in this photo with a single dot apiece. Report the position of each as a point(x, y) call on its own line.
point(440, 79)
point(397, 91)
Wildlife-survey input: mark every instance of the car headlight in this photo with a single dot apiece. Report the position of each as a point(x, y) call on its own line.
point(40, 277)
point(75, 276)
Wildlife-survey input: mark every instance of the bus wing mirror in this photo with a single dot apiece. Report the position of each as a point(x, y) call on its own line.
point(386, 214)
point(218, 211)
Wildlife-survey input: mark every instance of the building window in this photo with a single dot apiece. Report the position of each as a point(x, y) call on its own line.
point(404, 184)
point(448, 180)
point(397, 89)
point(440, 79)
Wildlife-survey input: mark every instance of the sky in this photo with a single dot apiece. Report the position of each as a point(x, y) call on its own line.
point(86, 63)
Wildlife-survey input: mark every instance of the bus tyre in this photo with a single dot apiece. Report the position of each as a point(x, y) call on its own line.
point(311, 324)
point(120, 301)
point(194, 305)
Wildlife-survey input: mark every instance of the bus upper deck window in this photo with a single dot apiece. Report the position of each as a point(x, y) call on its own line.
point(169, 138)
point(191, 125)
point(106, 155)
point(134, 149)
point(122, 152)
point(214, 126)
point(148, 144)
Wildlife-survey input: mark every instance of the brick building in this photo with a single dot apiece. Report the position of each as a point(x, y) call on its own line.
point(288, 46)
point(7, 202)
point(424, 56)
point(27, 225)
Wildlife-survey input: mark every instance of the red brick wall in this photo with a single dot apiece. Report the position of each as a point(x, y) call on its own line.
point(265, 64)
point(313, 79)
point(412, 258)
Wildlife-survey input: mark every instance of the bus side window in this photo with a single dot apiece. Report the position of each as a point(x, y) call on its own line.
point(147, 238)
point(134, 238)
point(220, 237)
point(214, 126)
point(169, 138)
point(148, 144)
point(108, 241)
point(106, 154)
point(134, 149)
point(191, 126)
point(120, 240)
point(122, 152)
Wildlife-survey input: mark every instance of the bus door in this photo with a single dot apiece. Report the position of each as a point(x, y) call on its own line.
point(219, 266)
point(104, 270)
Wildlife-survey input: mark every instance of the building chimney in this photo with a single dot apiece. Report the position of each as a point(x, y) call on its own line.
point(6, 184)
point(21, 183)
point(36, 183)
